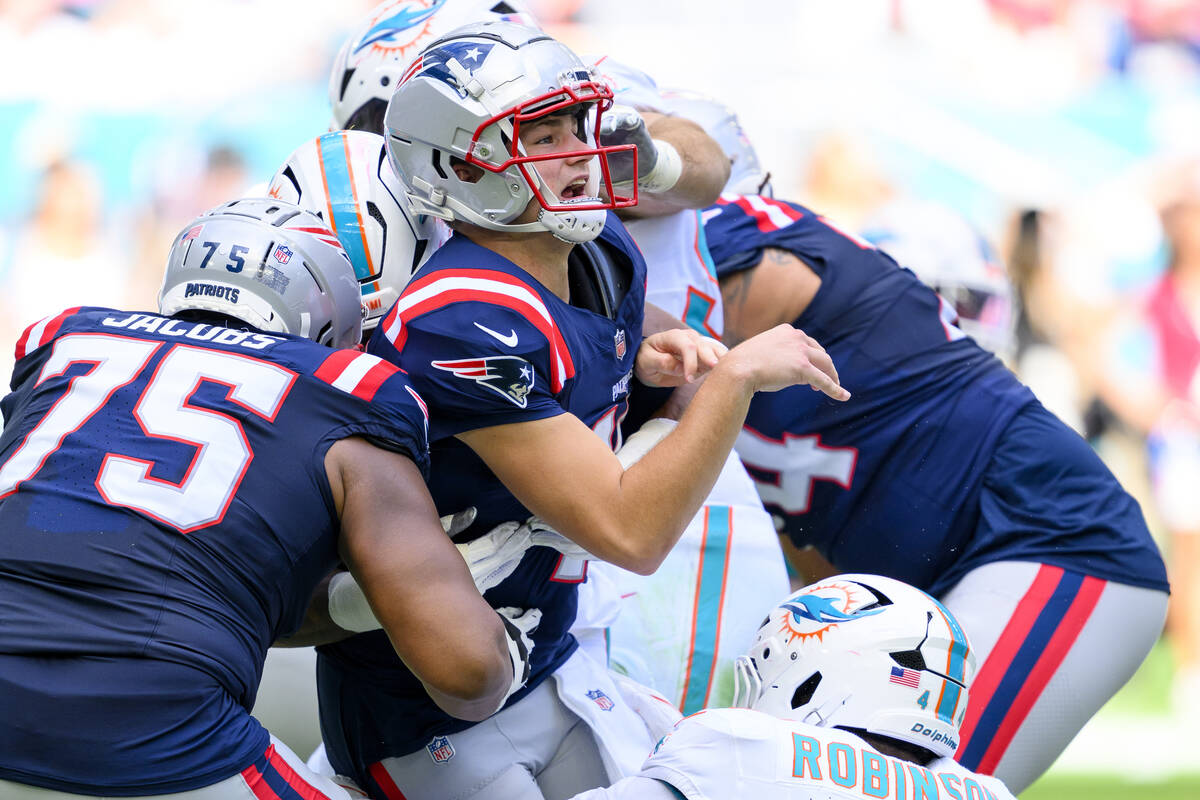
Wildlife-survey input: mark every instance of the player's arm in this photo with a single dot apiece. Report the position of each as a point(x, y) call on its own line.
point(703, 168)
point(417, 584)
point(567, 475)
point(774, 292)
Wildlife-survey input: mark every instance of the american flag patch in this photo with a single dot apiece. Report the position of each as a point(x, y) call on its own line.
point(193, 233)
point(905, 677)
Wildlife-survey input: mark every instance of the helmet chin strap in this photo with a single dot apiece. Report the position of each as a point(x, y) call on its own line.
point(572, 227)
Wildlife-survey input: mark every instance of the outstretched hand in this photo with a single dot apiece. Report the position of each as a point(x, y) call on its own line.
point(785, 356)
point(676, 357)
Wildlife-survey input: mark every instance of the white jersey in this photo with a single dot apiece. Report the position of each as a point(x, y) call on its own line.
point(735, 752)
point(680, 277)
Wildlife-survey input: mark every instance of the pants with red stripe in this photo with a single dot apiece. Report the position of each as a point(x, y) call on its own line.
point(1052, 647)
point(278, 774)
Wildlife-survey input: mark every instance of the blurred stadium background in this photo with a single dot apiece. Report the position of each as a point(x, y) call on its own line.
point(1059, 129)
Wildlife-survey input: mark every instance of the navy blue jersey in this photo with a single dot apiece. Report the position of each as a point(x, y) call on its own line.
point(889, 482)
point(166, 516)
point(485, 344)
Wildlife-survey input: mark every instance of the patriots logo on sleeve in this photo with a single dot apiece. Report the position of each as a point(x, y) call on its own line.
point(510, 376)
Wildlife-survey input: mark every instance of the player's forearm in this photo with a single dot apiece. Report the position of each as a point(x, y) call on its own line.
point(660, 494)
point(705, 168)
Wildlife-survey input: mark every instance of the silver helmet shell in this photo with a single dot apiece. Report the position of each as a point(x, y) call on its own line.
point(466, 97)
point(862, 652)
point(270, 264)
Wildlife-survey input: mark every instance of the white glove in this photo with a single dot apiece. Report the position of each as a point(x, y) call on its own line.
point(542, 535)
point(493, 556)
point(518, 625)
point(658, 163)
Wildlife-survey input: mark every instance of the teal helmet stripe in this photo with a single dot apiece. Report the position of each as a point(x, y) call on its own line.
point(956, 669)
point(346, 219)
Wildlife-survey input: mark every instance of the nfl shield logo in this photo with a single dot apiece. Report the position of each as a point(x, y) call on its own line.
point(619, 343)
point(440, 749)
point(601, 699)
point(283, 254)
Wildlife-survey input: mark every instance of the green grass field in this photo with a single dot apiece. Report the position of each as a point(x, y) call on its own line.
point(1080, 787)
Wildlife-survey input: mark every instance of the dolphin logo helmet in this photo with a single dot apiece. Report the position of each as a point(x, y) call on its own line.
point(270, 264)
point(369, 64)
point(862, 652)
point(344, 177)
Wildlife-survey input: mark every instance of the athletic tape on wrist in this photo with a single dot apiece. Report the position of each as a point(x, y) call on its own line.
point(667, 169)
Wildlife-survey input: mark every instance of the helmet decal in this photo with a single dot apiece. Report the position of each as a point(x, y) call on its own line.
point(390, 26)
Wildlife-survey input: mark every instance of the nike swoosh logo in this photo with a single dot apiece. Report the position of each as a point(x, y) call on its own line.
point(510, 340)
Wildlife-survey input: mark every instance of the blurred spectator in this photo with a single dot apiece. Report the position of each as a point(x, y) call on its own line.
point(1040, 361)
point(1154, 385)
point(192, 183)
point(843, 180)
point(62, 254)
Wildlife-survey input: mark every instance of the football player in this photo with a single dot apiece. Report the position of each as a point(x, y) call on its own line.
point(855, 688)
point(526, 358)
point(945, 472)
point(173, 485)
point(728, 564)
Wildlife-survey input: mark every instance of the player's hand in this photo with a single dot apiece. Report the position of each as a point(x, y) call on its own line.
point(785, 356)
point(676, 357)
point(624, 125)
point(657, 163)
point(519, 623)
point(495, 555)
point(542, 535)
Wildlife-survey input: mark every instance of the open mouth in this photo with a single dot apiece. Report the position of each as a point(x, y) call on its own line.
point(576, 190)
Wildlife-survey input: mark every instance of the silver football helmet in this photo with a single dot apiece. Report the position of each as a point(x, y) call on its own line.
point(345, 178)
point(270, 264)
point(466, 97)
point(370, 63)
point(862, 652)
point(746, 174)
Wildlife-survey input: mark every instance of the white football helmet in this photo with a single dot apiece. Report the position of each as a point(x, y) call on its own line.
point(370, 63)
point(270, 264)
point(466, 97)
point(345, 178)
point(949, 255)
point(862, 652)
point(746, 174)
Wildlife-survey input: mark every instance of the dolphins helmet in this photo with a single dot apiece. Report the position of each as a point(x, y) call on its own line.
point(270, 264)
point(466, 97)
point(344, 177)
point(369, 64)
point(746, 173)
point(862, 652)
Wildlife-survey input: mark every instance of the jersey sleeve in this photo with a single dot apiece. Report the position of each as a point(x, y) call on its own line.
point(740, 226)
point(478, 363)
point(393, 415)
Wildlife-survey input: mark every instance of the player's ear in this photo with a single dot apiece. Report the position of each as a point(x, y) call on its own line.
point(467, 173)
